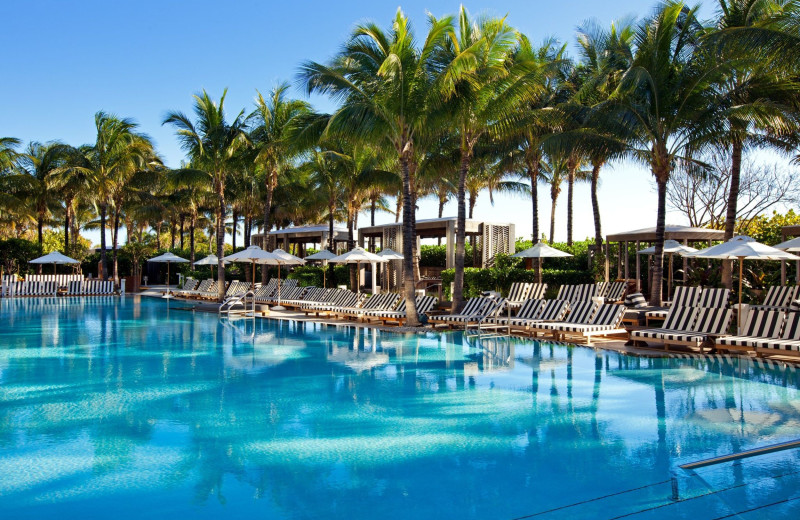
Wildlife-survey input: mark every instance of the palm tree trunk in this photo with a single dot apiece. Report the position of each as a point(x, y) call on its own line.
point(172, 234)
point(409, 237)
point(458, 282)
point(235, 218)
point(114, 242)
point(67, 211)
point(398, 207)
point(354, 285)
point(730, 214)
point(658, 256)
point(598, 235)
point(533, 174)
point(573, 165)
point(554, 199)
point(182, 220)
point(40, 228)
point(192, 225)
point(103, 259)
point(220, 242)
point(268, 223)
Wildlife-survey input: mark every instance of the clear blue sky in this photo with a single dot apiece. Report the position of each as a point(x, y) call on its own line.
point(140, 59)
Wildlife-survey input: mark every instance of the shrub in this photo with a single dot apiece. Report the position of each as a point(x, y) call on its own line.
point(500, 279)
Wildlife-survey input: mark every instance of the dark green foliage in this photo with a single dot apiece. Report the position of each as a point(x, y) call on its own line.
point(312, 275)
point(15, 254)
point(500, 279)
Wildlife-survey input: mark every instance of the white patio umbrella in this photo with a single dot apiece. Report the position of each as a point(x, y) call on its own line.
point(168, 258)
point(389, 255)
point(742, 248)
point(212, 261)
point(322, 256)
point(671, 248)
point(541, 250)
point(54, 258)
point(358, 255)
point(252, 255)
point(284, 258)
point(792, 246)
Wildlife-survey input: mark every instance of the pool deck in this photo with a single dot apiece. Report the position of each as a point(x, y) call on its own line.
point(612, 343)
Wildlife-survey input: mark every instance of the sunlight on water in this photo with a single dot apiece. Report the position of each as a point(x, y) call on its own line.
point(130, 407)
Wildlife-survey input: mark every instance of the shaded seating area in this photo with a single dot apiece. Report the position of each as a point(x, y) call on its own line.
point(689, 326)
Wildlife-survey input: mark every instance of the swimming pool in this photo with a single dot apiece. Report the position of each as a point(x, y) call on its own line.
point(128, 409)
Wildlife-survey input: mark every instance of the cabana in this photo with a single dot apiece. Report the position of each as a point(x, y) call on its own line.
point(490, 238)
point(683, 234)
point(788, 232)
point(302, 236)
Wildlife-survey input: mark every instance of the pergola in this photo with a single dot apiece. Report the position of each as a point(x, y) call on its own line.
point(683, 234)
point(302, 236)
point(489, 237)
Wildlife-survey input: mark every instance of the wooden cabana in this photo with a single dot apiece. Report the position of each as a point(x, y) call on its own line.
point(788, 232)
point(301, 236)
point(640, 238)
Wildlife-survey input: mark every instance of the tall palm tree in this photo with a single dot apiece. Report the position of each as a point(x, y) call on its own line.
point(665, 102)
point(758, 97)
point(555, 171)
point(212, 144)
point(194, 187)
point(482, 89)
point(384, 82)
point(271, 135)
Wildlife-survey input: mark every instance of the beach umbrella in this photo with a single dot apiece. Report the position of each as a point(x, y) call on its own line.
point(358, 255)
point(210, 260)
point(284, 258)
point(671, 248)
point(252, 255)
point(389, 255)
point(322, 256)
point(539, 251)
point(168, 258)
point(54, 258)
point(742, 248)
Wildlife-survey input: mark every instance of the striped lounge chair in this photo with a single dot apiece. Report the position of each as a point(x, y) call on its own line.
point(789, 342)
point(612, 291)
point(683, 297)
point(761, 326)
point(376, 302)
point(345, 299)
point(552, 310)
point(476, 308)
point(518, 293)
point(315, 294)
point(714, 298)
point(779, 297)
point(424, 305)
point(202, 288)
point(530, 309)
point(690, 326)
point(579, 312)
point(605, 320)
point(577, 293)
point(488, 310)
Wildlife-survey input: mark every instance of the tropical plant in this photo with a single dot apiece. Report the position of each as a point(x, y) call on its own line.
point(212, 144)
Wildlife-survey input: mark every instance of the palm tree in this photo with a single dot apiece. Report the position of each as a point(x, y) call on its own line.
point(34, 182)
point(482, 90)
point(758, 97)
point(665, 103)
point(273, 120)
point(384, 83)
point(192, 186)
point(212, 144)
point(555, 171)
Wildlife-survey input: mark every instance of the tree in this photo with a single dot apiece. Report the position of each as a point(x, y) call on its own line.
point(758, 98)
point(665, 103)
point(273, 119)
point(384, 84)
point(482, 89)
point(212, 143)
point(555, 171)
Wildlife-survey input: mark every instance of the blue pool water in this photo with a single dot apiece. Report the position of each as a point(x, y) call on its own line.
point(128, 409)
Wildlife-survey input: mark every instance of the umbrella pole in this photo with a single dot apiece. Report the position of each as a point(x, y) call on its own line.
point(669, 289)
point(739, 316)
point(167, 279)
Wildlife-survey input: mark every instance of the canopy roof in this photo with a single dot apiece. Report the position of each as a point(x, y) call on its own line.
point(321, 255)
point(789, 245)
point(671, 232)
point(285, 258)
point(390, 254)
point(670, 247)
point(54, 258)
point(211, 260)
point(431, 227)
point(253, 254)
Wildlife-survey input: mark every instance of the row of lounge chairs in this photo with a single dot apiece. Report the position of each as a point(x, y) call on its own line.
point(51, 288)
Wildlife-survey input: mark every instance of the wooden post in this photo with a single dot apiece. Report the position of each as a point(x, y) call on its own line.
point(638, 270)
point(627, 254)
point(783, 272)
point(606, 262)
point(619, 259)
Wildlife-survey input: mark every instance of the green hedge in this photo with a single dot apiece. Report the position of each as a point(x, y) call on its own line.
point(498, 279)
point(312, 275)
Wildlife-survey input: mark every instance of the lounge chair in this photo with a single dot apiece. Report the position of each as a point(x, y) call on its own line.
point(376, 302)
point(605, 320)
point(291, 294)
point(477, 315)
point(612, 291)
point(530, 309)
point(345, 299)
point(518, 293)
point(762, 325)
point(690, 326)
point(779, 297)
point(577, 293)
point(714, 298)
point(423, 303)
point(789, 342)
point(683, 297)
point(552, 310)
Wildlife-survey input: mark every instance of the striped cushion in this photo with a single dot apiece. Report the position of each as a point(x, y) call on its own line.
point(714, 298)
point(780, 344)
point(635, 301)
point(712, 321)
point(680, 318)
